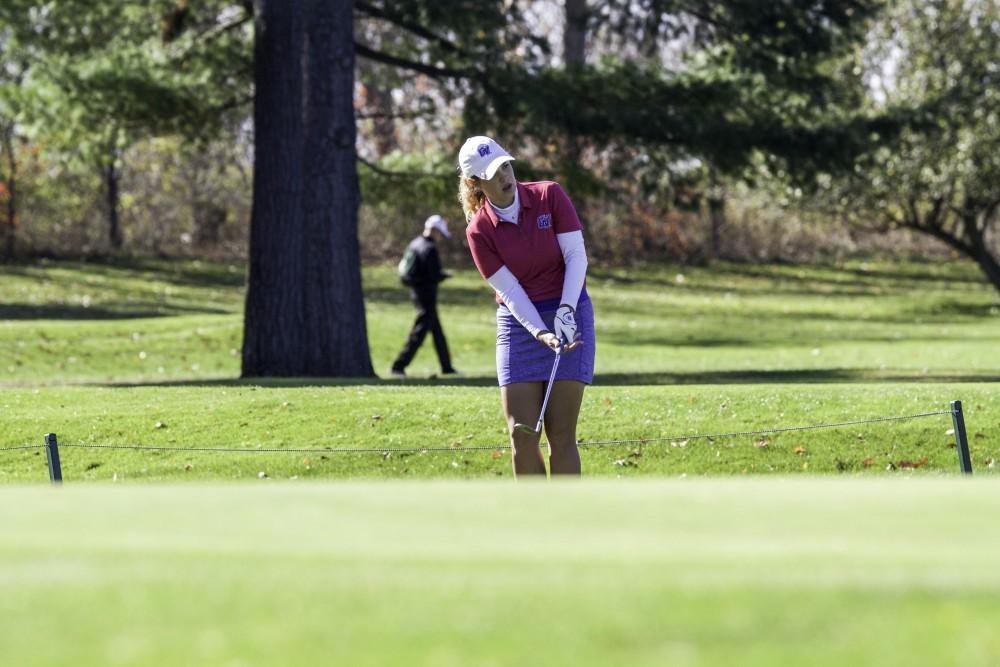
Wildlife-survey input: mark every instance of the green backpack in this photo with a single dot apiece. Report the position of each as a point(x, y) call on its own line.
point(408, 266)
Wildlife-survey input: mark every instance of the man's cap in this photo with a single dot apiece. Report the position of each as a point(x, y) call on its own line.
point(438, 223)
point(481, 157)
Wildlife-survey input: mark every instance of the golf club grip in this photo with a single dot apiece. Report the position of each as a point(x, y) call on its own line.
point(548, 390)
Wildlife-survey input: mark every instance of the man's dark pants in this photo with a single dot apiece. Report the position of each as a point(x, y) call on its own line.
point(424, 299)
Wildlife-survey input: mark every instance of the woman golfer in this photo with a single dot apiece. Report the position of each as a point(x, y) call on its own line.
point(527, 242)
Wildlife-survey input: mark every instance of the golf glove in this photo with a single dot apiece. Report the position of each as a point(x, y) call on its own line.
point(564, 325)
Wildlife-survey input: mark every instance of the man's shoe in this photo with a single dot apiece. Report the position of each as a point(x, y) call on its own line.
point(453, 373)
point(397, 373)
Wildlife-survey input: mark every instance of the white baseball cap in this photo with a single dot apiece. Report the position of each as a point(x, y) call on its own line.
point(438, 223)
point(481, 157)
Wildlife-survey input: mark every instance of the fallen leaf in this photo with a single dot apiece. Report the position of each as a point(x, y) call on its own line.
point(950, 431)
point(800, 450)
point(635, 453)
point(868, 463)
point(762, 443)
point(497, 454)
point(912, 464)
point(159, 425)
point(376, 417)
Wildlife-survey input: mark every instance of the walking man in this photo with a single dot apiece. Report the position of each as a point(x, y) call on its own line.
point(421, 271)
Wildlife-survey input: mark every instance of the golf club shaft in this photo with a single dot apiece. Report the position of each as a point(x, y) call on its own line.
point(548, 390)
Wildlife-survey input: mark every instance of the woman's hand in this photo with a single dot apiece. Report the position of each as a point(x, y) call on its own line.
point(552, 341)
point(564, 324)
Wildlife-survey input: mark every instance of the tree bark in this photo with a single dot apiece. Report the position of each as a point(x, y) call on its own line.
point(575, 31)
point(979, 250)
point(716, 215)
point(10, 222)
point(989, 266)
point(112, 178)
point(973, 246)
point(336, 333)
point(273, 326)
point(305, 308)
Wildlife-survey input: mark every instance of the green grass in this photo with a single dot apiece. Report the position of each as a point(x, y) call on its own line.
point(147, 353)
point(664, 554)
point(776, 571)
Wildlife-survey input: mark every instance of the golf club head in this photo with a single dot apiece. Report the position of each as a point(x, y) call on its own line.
point(524, 428)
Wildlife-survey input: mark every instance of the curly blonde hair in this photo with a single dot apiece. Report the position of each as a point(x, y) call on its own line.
point(470, 196)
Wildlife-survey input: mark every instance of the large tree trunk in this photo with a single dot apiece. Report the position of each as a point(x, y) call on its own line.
point(304, 310)
point(273, 327)
point(336, 334)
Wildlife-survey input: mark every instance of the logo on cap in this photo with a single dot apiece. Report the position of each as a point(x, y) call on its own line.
point(484, 150)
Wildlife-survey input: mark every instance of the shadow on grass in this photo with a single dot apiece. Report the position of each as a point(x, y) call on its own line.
point(811, 376)
point(447, 296)
point(806, 280)
point(181, 273)
point(22, 311)
point(281, 383)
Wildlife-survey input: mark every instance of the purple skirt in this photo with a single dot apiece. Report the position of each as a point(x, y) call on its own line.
point(521, 358)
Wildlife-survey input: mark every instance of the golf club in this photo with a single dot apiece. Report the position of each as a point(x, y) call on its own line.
point(524, 428)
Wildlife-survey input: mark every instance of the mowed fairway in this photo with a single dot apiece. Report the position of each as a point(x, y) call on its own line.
point(763, 571)
point(722, 551)
point(147, 353)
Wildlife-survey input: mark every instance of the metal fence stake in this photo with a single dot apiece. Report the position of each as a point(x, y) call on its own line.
point(961, 439)
point(52, 454)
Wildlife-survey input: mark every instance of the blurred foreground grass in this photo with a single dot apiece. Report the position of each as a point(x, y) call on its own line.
point(756, 572)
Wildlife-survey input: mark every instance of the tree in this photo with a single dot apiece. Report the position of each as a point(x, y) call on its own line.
point(103, 76)
point(304, 310)
point(934, 62)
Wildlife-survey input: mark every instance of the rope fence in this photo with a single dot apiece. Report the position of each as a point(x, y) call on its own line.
point(52, 446)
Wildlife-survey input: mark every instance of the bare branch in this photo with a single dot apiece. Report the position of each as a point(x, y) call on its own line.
point(429, 70)
point(400, 174)
point(402, 114)
point(418, 30)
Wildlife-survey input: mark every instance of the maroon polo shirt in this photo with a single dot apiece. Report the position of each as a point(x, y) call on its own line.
point(529, 249)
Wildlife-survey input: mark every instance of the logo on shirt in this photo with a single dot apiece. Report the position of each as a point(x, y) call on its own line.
point(544, 221)
point(484, 150)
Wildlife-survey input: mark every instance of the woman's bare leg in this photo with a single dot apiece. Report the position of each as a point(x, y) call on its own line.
point(560, 426)
point(521, 403)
